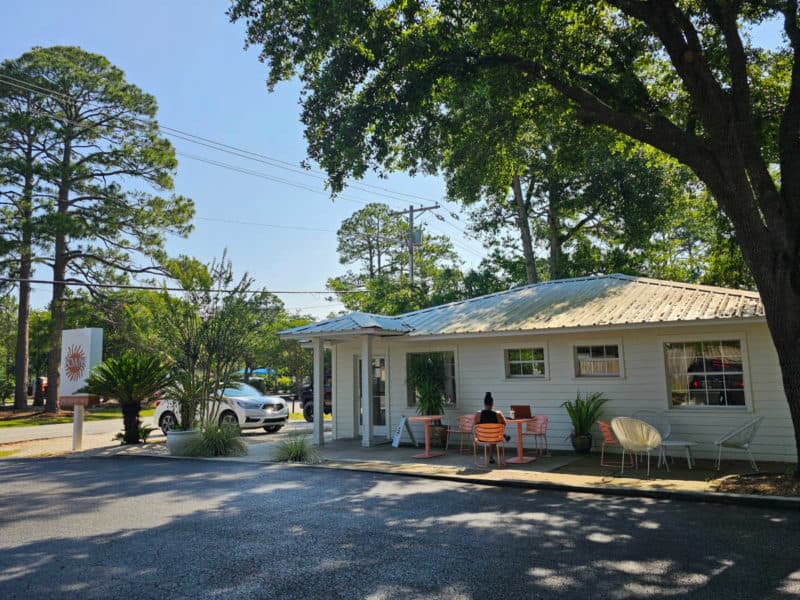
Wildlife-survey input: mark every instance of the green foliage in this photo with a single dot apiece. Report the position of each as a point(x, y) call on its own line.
point(217, 440)
point(94, 199)
point(297, 448)
point(130, 379)
point(376, 240)
point(144, 433)
point(284, 383)
point(426, 375)
point(584, 411)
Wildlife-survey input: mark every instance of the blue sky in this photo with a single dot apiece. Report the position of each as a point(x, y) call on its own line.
point(192, 60)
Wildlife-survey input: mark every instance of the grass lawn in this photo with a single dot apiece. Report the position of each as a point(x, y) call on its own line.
point(39, 418)
point(298, 416)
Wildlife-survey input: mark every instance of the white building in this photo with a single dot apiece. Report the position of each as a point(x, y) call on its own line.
point(703, 354)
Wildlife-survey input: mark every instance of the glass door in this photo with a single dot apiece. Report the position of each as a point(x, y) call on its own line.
point(378, 401)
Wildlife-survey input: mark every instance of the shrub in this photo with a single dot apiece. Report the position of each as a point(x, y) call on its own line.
point(285, 383)
point(217, 440)
point(297, 448)
point(144, 433)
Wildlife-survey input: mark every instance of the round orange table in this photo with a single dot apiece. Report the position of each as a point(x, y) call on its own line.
point(426, 421)
point(519, 459)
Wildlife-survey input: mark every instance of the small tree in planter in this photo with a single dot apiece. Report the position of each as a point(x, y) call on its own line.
point(131, 379)
point(425, 375)
point(584, 412)
point(209, 330)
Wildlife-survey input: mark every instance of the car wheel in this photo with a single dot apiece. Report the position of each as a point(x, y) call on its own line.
point(272, 428)
point(167, 422)
point(308, 411)
point(228, 418)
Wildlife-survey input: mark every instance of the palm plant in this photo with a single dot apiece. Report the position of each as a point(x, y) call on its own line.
point(130, 379)
point(584, 412)
point(426, 375)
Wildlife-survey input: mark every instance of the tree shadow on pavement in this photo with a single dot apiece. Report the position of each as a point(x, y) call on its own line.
point(149, 528)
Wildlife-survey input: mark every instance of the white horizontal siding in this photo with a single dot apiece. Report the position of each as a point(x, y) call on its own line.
point(480, 368)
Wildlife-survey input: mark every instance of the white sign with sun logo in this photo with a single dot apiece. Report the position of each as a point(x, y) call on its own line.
point(81, 351)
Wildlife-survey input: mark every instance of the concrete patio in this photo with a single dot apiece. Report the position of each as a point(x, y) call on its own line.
point(560, 469)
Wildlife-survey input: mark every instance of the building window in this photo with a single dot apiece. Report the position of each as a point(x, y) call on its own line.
point(437, 369)
point(525, 362)
point(705, 373)
point(597, 361)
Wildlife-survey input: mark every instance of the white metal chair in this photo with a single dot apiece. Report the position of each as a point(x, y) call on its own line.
point(659, 420)
point(740, 438)
point(636, 436)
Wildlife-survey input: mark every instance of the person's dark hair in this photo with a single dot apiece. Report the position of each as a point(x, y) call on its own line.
point(488, 400)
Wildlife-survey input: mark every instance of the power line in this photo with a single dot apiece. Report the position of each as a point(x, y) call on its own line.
point(240, 152)
point(169, 289)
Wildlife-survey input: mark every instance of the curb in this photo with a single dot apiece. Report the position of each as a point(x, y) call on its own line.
point(749, 500)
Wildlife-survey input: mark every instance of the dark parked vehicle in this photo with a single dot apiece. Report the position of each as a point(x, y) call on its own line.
point(307, 400)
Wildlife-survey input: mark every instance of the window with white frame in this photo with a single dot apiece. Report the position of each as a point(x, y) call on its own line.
point(706, 373)
point(525, 362)
point(597, 361)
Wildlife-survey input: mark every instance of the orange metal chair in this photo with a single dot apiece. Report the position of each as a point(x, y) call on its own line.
point(465, 425)
point(488, 434)
point(538, 429)
point(609, 439)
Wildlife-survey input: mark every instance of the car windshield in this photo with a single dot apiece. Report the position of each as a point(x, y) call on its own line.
point(241, 390)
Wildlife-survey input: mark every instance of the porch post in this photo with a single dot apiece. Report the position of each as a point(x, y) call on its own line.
point(366, 391)
point(318, 437)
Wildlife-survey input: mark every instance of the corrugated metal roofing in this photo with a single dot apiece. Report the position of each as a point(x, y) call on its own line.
point(600, 301)
point(355, 321)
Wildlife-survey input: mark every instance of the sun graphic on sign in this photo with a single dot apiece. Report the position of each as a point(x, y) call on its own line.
point(75, 364)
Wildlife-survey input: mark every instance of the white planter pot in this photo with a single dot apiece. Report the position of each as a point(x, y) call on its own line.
point(178, 440)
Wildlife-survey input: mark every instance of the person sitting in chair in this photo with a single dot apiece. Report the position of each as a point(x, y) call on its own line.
point(490, 415)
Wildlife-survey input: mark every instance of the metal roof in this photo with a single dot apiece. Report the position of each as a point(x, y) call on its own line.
point(353, 322)
point(601, 301)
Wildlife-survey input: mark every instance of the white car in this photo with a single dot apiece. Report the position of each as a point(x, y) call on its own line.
point(242, 405)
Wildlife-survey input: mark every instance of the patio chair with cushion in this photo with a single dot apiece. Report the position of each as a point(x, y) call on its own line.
point(464, 427)
point(740, 438)
point(538, 429)
point(637, 437)
point(489, 434)
point(659, 420)
point(609, 439)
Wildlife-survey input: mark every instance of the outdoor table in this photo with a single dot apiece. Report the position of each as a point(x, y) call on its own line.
point(519, 459)
point(678, 444)
point(426, 421)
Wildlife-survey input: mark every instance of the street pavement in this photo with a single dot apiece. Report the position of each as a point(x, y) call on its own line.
point(156, 528)
point(110, 426)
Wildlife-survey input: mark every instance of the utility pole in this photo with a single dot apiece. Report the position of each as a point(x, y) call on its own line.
point(411, 233)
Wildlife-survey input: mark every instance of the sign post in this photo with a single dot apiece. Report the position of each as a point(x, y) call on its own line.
point(81, 351)
point(399, 432)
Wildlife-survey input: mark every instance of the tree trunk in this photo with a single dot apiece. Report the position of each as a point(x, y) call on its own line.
point(523, 223)
point(554, 235)
point(59, 275)
point(56, 325)
point(130, 418)
point(23, 334)
point(22, 354)
point(783, 318)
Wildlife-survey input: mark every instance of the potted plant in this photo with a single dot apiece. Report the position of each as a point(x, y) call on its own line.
point(584, 412)
point(184, 392)
point(130, 379)
point(426, 375)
